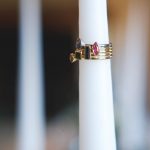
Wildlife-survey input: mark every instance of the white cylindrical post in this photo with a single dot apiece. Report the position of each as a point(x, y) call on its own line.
point(30, 87)
point(97, 131)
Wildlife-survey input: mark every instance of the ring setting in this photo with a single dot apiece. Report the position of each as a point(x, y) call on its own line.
point(91, 52)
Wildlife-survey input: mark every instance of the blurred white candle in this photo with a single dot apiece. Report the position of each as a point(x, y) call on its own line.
point(97, 130)
point(133, 84)
point(30, 91)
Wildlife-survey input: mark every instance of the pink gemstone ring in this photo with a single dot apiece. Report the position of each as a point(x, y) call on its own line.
point(91, 51)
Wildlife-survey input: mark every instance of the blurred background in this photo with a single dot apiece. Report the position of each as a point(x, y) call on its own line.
point(129, 22)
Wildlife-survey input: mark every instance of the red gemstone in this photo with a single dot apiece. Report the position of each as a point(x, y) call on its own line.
point(95, 49)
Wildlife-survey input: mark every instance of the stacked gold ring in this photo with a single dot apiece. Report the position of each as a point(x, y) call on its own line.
point(91, 52)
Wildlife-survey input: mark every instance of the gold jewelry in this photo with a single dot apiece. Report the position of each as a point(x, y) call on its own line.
point(94, 52)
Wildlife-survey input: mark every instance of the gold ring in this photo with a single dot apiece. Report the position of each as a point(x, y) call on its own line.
point(91, 52)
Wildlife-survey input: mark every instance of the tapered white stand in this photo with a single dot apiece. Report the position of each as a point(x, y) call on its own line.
point(97, 130)
point(30, 87)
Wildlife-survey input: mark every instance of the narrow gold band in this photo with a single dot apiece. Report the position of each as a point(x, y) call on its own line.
point(91, 52)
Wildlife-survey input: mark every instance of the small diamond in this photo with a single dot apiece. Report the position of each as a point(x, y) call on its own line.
point(95, 48)
point(78, 43)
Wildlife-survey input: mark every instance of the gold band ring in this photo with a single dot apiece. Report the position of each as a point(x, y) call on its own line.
point(91, 52)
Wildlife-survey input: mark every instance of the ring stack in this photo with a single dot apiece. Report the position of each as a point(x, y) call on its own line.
point(91, 52)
